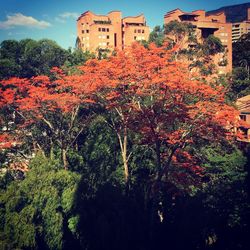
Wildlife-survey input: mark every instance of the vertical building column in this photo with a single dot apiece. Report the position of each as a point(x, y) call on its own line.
point(116, 19)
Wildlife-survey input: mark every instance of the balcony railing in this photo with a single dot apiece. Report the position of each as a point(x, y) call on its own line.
point(102, 22)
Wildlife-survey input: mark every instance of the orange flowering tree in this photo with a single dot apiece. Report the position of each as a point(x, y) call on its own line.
point(145, 91)
point(47, 113)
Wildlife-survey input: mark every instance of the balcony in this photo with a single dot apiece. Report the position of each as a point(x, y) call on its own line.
point(102, 22)
point(188, 17)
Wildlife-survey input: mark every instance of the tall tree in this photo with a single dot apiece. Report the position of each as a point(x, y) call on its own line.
point(48, 114)
point(143, 86)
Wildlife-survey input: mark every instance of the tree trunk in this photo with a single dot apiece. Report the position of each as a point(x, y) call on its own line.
point(123, 145)
point(51, 153)
point(158, 155)
point(64, 159)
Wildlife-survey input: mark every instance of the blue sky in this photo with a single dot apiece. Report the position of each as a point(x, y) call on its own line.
point(56, 19)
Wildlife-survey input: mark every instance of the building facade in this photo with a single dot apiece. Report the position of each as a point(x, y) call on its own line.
point(206, 25)
point(109, 31)
point(241, 28)
point(243, 105)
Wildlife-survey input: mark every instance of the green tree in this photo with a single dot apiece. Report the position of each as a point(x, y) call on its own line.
point(241, 52)
point(10, 53)
point(28, 57)
point(212, 45)
point(35, 211)
point(8, 68)
point(10, 49)
point(40, 56)
point(157, 36)
point(240, 83)
point(179, 32)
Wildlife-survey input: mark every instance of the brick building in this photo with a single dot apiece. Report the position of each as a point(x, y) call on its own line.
point(241, 28)
point(243, 105)
point(206, 25)
point(109, 31)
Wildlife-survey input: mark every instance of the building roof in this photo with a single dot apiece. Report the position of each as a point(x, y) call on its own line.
point(189, 14)
point(88, 11)
point(172, 11)
point(83, 14)
point(134, 16)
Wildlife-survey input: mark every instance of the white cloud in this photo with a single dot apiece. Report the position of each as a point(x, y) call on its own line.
point(66, 15)
point(69, 15)
point(19, 19)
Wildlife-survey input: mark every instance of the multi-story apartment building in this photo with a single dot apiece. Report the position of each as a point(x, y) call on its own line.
point(243, 104)
point(206, 25)
point(241, 28)
point(109, 31)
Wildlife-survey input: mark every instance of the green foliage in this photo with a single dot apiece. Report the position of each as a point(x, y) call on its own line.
point(157, 36)
point(40, 56)
point(241, 52)
point(90, 206)
point(179, 30)
point(240, 84)
point(102, 53)
point(76, 57)
point(34, 210)
point(27, 58)
point(226, 193)
point(73, 223)
point(8, 68)
point(212, 45)
point(199, 54)
point(10, 49)
point(99, 152)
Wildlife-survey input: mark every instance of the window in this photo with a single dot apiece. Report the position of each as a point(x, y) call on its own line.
point(107, 43)
point(135, 31)
point(243, 117)
point(139, 31)
point(143, 31)
point(87, 31)
point(82, 31)
point(134, 37)
point(107, 37)
point(99, 29)
point(107, 29)
point(103, 29)
point(115, 39)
